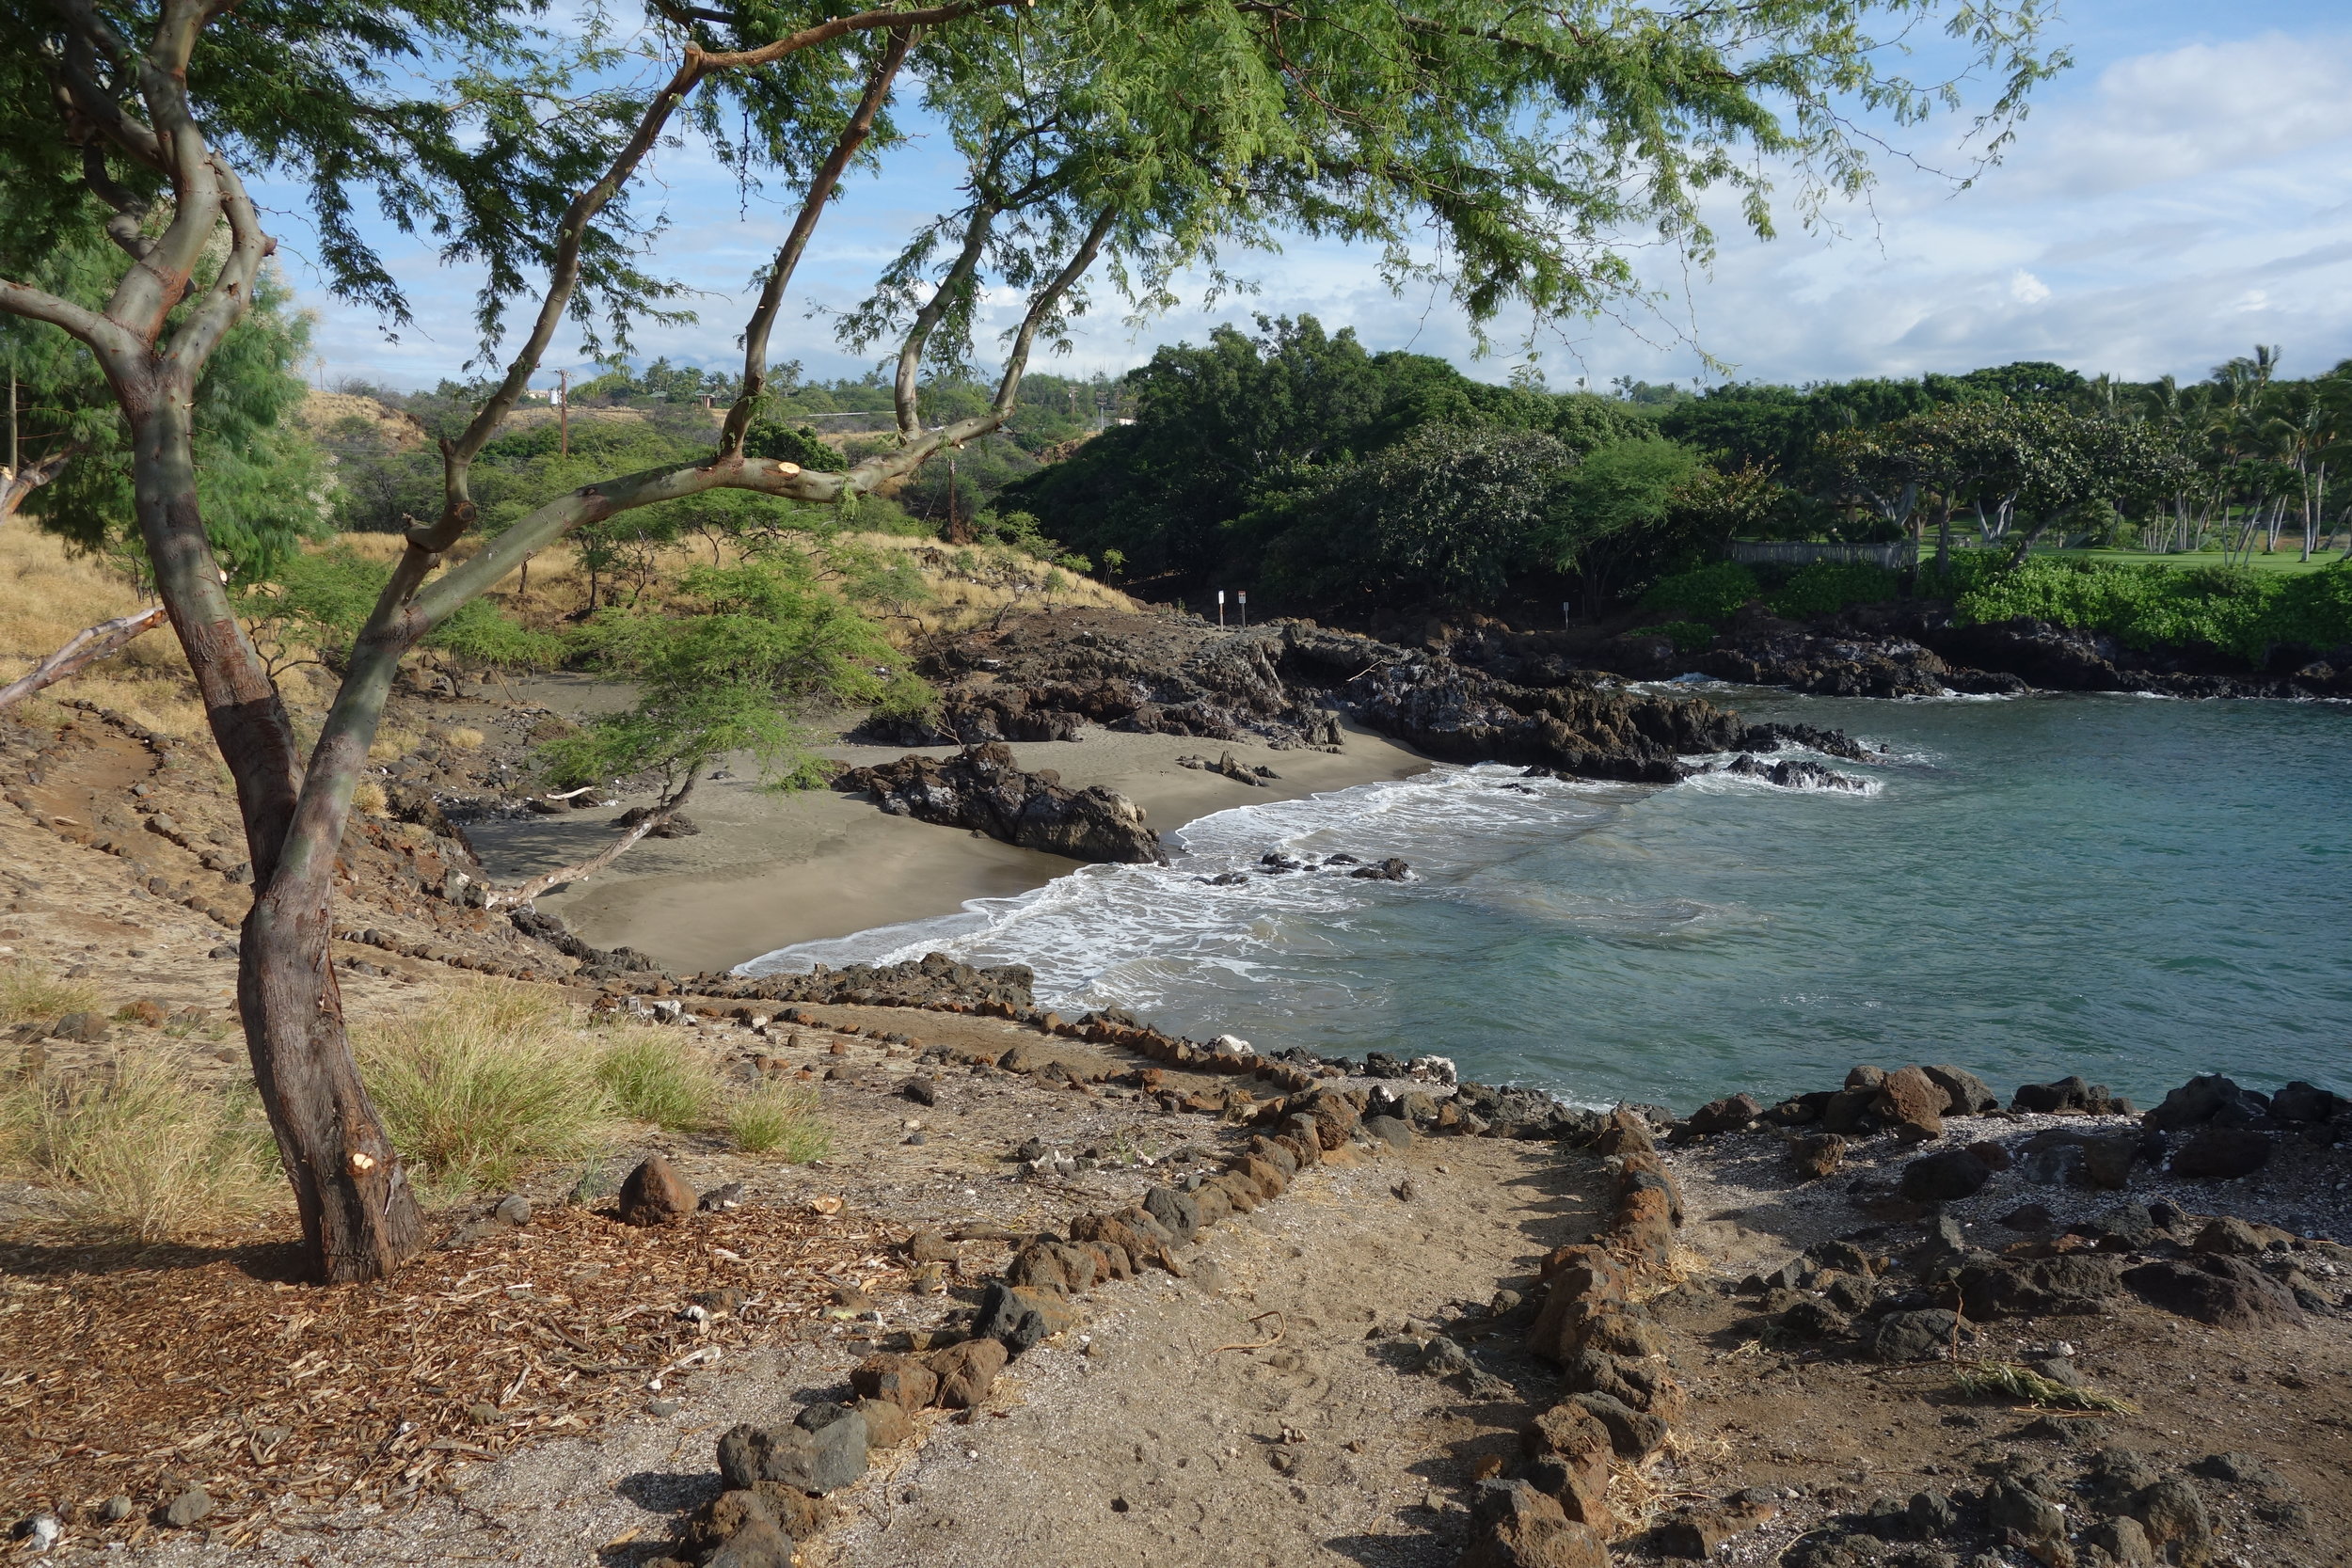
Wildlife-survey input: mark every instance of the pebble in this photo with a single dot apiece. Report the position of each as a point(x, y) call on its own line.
point(115, 1508)
point(664, 1407)
point(187, 1508)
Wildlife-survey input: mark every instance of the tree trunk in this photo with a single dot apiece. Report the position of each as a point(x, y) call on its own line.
point(359, 1216)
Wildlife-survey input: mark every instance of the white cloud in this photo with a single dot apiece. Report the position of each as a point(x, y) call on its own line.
point(2145, 212)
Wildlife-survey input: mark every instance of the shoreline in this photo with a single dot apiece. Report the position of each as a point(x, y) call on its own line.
point(769, 871)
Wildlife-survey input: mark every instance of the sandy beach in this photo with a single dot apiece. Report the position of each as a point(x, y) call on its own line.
point(768, 870)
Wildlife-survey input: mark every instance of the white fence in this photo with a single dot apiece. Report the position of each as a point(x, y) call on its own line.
point(1897, 557)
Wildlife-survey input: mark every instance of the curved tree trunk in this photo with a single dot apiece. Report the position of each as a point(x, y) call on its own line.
point(358, 1214)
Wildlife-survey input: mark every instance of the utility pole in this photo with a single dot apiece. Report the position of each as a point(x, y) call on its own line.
point(563, 413)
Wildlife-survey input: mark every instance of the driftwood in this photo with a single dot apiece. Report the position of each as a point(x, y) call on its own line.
point(523, 893)
point(85, 648)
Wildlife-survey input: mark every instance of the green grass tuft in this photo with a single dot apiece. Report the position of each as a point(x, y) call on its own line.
point(483, 1083)
point(142, 1156)
point(30, 994)
point(654, 1076)
point(781, 1119)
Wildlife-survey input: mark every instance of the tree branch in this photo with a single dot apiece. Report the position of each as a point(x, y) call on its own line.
point(959, 273)
point(15, 487)
point(84, 648)
point(507, 898)
point(820, 188)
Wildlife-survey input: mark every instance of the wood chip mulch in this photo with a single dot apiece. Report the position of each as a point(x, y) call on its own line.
point(143, 1372)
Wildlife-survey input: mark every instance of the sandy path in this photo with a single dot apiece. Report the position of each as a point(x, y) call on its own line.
point(1157, 1449)
point(770, 870)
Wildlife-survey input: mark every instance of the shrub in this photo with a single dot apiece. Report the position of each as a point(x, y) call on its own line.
point(29, 994)
point(1689, 637)
point(1825, 587)
point(143, 1156)
point(654, 1076)
point(483, 1083)
point(368, 798)
point(1711, 593)
point(779, 1118)
point(2145, 606)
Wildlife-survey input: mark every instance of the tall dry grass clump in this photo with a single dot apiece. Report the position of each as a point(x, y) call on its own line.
point(780, 1120)
point(654, 1076)
point(30, 994)
point(142, 1155)
point(47, 594)
point(483, 1082)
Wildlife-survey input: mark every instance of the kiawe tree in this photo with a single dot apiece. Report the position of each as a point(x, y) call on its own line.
point(1516, 146)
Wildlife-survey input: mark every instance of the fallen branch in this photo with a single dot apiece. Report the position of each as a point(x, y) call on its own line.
point(85, 648)
point(513, 897)
point(17, 484)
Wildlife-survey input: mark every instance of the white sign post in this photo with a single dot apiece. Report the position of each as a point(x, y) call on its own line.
point(1221, 607)
point(1244, 596)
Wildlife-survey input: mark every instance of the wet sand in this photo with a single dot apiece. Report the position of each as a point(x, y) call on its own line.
point(768, 870)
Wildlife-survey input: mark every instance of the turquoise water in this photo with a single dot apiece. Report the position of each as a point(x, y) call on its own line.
point(2129, 888)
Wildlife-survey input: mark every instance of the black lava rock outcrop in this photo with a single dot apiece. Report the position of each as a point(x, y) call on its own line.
point(984, 789)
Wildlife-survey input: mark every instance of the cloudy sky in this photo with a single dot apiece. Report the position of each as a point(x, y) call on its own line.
point(2183, 194)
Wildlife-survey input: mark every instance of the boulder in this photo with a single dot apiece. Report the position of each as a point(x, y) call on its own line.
point(1924, 1335)
point(1396, 1133)
point(2206, 1099)
point(2301, 1102)
point(1695, 1531)
point(2175, 1521)
point(1515, 1526)
point(984, 789)
point(1634, 1434)
point(905, 1381)
point(1179, 1211)
point(1944, 1176)
point(2227, 1292)
point(1020, 1318)
point(825, 1459)
point(967, 1372)
point(1964, 1093)
point(2071, 1284)
point(887, 1423)
point(2217, 1153)
point(654, 1195)
point(1817, 1155)
point(1727, 1115)
point(1911, 1101)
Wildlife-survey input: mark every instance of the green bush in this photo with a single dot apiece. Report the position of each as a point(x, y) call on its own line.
point(781, 1119)
point(1825, 587)
point(2225, 607)
point(1711, 592)
point(1690, 637)
point(658, 1077)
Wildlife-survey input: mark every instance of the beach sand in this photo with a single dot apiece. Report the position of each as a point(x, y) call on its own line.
point(770, 870)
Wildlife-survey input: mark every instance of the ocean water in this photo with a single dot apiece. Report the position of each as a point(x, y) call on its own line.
point(2131, 889)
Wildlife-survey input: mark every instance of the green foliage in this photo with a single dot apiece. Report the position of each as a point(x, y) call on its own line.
point(793, 444)
point(1710, 594)
point(1689, 637)
point(1825, 587)
point(1245, 424)
point(1614, 512)
point(657, 1077)
point(260, 480)
point(323, 598)
point(732, 663)
point(1447, 512)
point(2229, 609)
point(782, 1119)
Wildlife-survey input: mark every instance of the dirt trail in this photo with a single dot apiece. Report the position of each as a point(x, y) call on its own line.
point(1146, 1444)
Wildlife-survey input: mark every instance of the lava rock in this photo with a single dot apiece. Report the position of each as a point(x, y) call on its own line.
point(905, 1381)
point(967, 1372)
point(1944, 1176)
point(187, 1508)
point(1727, 1115)
point(2216, 1153)
point(2227, 1292)
point(1818, 1156)
point(1924, 1335)
point(825, 1459)
point(1514, 1525)
point(654, 1195)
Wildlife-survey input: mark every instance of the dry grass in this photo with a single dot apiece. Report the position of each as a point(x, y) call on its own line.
point(368, 798)
point(29, 994)
point(2008, 1380)
point(780, 1120)
point(483, 1082)
point(47, 594)
point(142, 1156)
point(465, 738)
point(652, 1075)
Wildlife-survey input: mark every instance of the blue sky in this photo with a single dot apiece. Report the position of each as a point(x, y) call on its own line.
point(2184, 193)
